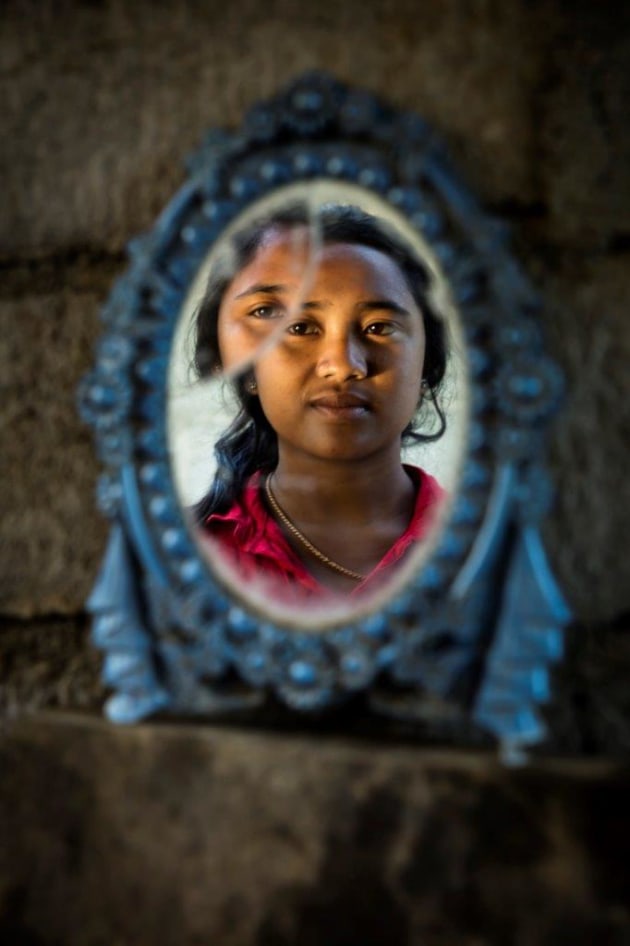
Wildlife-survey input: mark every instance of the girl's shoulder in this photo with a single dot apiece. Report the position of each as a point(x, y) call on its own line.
point(429, 498)
point(245, 518)
point(426, 483)
point(255, 546)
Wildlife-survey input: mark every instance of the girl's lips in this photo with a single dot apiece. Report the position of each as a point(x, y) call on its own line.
point(341, 406)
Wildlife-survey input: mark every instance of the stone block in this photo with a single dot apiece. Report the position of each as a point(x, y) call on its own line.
point(589, 444)
point(105, 101)
point(584, 138)
point(46, 664)
point(52, 534)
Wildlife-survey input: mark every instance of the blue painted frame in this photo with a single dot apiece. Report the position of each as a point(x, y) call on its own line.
point(479, 625)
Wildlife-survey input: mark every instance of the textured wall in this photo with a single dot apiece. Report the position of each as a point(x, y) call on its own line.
point(159, 835)
point(103, 101)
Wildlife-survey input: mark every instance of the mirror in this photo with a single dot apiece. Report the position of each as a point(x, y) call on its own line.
point(468, 624)
point(200, 410)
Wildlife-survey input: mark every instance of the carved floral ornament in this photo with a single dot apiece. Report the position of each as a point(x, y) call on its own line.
point(478, 625)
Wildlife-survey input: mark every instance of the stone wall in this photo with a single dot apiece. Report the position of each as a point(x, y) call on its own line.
point(102, 101)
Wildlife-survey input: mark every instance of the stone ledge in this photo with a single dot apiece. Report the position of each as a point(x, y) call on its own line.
point(205, 834)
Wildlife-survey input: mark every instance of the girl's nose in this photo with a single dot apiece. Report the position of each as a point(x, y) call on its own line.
point(342, 358)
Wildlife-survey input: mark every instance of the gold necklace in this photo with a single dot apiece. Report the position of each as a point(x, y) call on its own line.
point(293, 529)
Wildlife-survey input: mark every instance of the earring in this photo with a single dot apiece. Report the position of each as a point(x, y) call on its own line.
point(250, 386)
point(424, 384)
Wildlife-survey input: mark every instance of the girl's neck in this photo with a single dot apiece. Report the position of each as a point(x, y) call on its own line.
point(374, 489)
point(352, 512)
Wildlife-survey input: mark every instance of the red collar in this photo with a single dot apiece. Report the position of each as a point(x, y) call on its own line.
point(254, 540)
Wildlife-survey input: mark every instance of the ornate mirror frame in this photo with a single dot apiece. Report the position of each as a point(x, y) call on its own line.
point(477, 627)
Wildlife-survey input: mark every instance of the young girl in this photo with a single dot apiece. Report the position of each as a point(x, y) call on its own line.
point(337, 348)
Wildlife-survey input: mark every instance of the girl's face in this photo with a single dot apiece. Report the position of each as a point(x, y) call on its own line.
point(337, 345)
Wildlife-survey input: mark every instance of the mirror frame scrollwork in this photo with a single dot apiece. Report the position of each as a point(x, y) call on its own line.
point(480, 624)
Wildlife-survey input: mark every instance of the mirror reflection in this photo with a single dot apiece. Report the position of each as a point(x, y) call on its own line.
point(316, 405)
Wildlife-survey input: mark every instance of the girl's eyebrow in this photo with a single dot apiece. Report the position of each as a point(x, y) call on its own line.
point(259, 287)
point(387, 305)
point(372, 305)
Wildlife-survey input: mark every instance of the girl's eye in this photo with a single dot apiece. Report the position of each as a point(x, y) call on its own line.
point(265, 312)
point(302, 328)
point(380, 328)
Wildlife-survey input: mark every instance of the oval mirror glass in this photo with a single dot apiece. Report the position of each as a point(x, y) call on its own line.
point(311, 296)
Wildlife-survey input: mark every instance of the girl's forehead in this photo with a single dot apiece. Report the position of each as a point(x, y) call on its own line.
point(287, 257)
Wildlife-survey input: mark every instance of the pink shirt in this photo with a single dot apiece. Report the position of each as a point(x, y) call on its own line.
point(255, 544)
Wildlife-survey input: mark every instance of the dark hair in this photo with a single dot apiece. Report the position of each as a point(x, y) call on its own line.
point(250, 443)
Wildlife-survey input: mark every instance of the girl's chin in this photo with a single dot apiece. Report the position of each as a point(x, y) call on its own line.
point(340, 445)
point(345, 453)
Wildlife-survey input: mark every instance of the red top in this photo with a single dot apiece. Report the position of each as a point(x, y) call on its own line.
point(256, 545)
